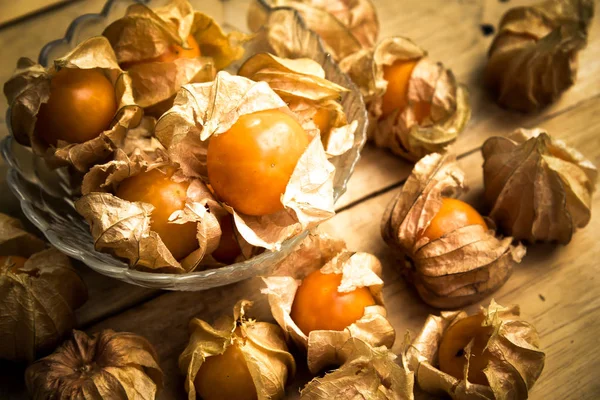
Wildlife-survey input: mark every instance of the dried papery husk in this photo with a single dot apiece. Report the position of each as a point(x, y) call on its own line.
point(122, 227)
point(537, 188)
point(39, 299)
point(261, 343)
point(141, 138)
point(345, 26)
point(533, 58)
point(358, 270)
point(144, 34)
point(108, 365)
point(366, 373)
point(516, 360)
point(301, 83)
point(430, 83)
point(29, 88)
point(461, 267)
point(206, 109)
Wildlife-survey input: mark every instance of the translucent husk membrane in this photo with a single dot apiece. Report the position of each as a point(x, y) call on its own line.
point(537, 188)
point(29, 88)
point(461, 267)
point(533, 58)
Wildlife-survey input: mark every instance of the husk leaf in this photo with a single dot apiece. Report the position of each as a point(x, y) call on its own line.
point(557, 203)
point(461, 267)
point(15, 241)
point(29, 88)
point(358, 270)
point(122, 227)
point(533, 58)
point(430, 83)
point(516, 361)
point(262, 344)
point(203, 110)
point(37, 301)
point(366, 373)
point(108, 365)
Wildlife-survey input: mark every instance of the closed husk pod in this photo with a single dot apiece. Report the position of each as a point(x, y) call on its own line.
point(356, 275)
point(208, 113)
point(301, 83)
point(459, 267)
point(415, 105)
point(64, 135)
point(39, 292)
point(366, 373)
point(167, 47)
point(533, 58)
point(345, 26)
point(503, 349)
point(108, 365)
point(259, 367)
point(537, 188)
point(125, 227)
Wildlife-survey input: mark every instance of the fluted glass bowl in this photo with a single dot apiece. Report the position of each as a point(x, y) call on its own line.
point(46, 196)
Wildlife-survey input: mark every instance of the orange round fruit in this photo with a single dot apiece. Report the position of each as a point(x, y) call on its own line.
point(452, 358)
point(167, 196)
point(395, 97)
point(319, 306)
point(15, 262)
point(229, 247)
point(82, 105)
point(225, 376)
point(322, 120)
point(453, 214)
point(250, 165)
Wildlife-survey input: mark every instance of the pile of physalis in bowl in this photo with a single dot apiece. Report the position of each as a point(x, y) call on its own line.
point(187, 150)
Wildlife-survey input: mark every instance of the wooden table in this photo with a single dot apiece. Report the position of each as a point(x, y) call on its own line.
point(556, 286)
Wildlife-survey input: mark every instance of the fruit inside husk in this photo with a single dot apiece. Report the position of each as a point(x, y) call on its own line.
point(452, 355)
point(229, 248)
point(167, 196)
point(250, 165)
point(318, 305)
point(454, 214)
point(81, 105)
point(395, 97)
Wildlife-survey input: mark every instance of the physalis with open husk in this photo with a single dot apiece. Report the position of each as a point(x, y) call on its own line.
point(450, 252)
point(533, 58)
point(108, 365)
point(301, 83)
point(493, 354)
point(236, 358)
point(345, 26)
point(167, 47)
point(365, 373)
point(263, 164)
point(76, 112)
point(323, 295)
point(415, 105)
point(142, 208)
point(39, 293)
point(537, 188)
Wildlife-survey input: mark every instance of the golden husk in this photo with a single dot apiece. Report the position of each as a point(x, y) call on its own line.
point(533, 58)
point(29, 88)
point(37, 301)
point(301, 83)
point(122, 227)
point(461, 267)
point(366, 373)
point(144, 34)
point(358, 270)
point(206, 109)
point(262, 345)
point(108, 365)
point(537, 188)
point(345, 26)
point(430, 83)
point(516, 361)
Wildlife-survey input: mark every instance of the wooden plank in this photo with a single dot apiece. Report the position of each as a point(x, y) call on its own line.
point(567, 319)
point(12, 11)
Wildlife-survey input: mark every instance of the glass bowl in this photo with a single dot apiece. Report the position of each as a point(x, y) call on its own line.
point(46, 196)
